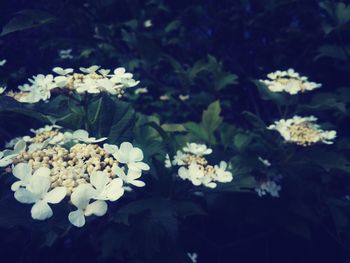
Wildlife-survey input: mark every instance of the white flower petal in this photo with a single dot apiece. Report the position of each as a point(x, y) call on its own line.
point(41, 211)
point(114, 190)
point(99, 180)
point(22, 171)
point(98, 208)
point(39, 183)
point(77, 218)
point(55, 195)
point(82, 195)
point(26, 197)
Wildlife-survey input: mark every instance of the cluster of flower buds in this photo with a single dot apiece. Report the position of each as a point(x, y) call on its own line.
point(289, 81)
point(89, 80)
point(194, 166)
point(303, 131)
point(54, 164)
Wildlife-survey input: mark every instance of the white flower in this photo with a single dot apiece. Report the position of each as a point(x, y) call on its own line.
point(179, 158)
point(167, 162)
point(22, 171)
point(197, 149)
point(184, 97)
point(122, 77)
point(193, 256)
point(2, 90)
point(37, 193)
point(140, 91)
point(130, 178)
point(147, 23)
point(83, 136)
point(5, 160)
point(104, 72)
point(89, 70)
point(88, 85)
point(106, 189)
point(7, 156)
point(222, 175)
point(81, 198)
point(108, 86)
point(132, 156)
point(194, 173)
point(61, 71)
point(65, 53)
point(268, 187)
point(2, 62)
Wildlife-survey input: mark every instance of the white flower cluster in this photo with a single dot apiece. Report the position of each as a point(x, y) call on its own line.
point(268, 187)
point(194, 166)
point(63, 166)
point(303, 131)
point(90, 80)
point(289, 81)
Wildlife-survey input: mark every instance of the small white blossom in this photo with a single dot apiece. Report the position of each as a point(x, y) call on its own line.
point(81, 198)
point(132, 156)
point(193, 256)
point(197, 149)
point(223, 176)
point(89, 70)
point(61, 71)
point(141, 91)
point(106, 189)
point(2, 62)
point(130, 178)
point(148, 23)
point(184, 97)
point(37, 192)
point(268, 187)
point(122, 77)
point(65, 53)
point(2, 90)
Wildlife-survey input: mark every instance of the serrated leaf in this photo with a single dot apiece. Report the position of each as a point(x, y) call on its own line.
point(211, 119)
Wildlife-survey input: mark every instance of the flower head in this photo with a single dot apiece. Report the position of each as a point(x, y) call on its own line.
point(289, 81)
point(303, 131)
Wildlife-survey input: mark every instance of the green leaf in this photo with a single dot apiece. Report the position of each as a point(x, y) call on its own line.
point(211, 119)
point(224, 80)
point(173, 25)
point(241, 140)
point(196, 130)
point(26, 19)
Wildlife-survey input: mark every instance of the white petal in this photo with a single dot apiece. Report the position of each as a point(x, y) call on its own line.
point(39, 184)
point(137, 183)
point(41, 211)
point(138, 166)
point(55, 195)
point(81, 134)
point(98, 208)
point(22, 171)
point(26, 197)
point(77, 218)
point(16, 185)
point(82, 195)
point(99, 180)
point(114, 190)
point(136, 155)
point(110, 148)
point(119, 172)
point(20, 146)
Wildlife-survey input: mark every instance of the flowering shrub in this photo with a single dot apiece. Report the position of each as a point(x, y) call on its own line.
point(185, 146)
